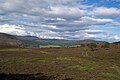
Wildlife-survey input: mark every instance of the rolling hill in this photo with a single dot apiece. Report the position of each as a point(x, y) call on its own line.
point(33, 41)
point(117, 42)
point(6, 39)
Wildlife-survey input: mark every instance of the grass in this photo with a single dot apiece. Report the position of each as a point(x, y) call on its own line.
point(63, 63)
point(68, 58)
point(116, 68)
point(84, 67)
point(64, 58)
point(22, 60)
point(44, 52)
point(110, 76)
point(15, 49)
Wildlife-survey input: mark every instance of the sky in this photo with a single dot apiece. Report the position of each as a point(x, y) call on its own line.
point(62, 19)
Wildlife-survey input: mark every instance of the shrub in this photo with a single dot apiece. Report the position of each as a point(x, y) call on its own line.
point(92, 46)
point(106, 46)
point(82, 45)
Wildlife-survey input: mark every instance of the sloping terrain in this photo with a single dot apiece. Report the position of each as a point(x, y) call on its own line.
point(6, 39)
point(32, 41)
point(117, 42)
point(60, 63)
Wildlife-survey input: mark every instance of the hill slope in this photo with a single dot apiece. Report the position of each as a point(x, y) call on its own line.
point(32, 41)
point(6, 39)
point(117, 42)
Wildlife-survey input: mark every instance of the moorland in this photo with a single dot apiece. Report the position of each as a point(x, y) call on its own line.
point(31, 58)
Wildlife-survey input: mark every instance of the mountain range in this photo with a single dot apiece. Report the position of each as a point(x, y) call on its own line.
point(33, 41)
point(117, 42)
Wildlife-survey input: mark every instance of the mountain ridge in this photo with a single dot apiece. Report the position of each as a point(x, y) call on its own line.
point(33, 41)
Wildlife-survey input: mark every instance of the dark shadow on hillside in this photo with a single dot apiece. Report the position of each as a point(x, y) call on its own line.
point(38, 76)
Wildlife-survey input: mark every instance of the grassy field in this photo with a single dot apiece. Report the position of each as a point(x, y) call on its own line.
point(60, 63)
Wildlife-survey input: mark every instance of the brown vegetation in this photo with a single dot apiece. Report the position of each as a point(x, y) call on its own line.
point(61, 63)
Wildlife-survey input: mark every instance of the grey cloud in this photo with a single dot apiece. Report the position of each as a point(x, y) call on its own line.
point(105, 12)
point(95, 31)
point(82, 23)
point(95, 21)
point(116, 24)
point(62, 19)
point(2, 19)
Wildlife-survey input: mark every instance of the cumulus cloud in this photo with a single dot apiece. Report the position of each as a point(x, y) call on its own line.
point(94, 31)
point(2, 19)
point(105, 12)
point(115, 24)
point(92, 21)
point(12, 29)
point(64, 12)
point(55, 19)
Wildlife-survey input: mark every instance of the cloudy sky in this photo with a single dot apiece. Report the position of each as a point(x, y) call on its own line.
point(62, 19)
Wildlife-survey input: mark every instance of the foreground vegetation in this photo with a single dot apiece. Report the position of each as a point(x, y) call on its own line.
point(80, 63)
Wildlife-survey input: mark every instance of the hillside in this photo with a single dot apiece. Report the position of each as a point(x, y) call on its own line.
point(33, 41)
point(6, 39)
point(117, 42)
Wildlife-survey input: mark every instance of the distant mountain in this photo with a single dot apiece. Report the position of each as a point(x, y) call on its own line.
point(117, 42)
point(28, 37)
point(33, 41)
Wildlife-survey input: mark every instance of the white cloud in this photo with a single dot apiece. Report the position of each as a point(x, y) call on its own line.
point(115, 24)
point(117, 37)
point(105, 12)
point(62, 19)
point(50, 27)
point(90, 20)
point(18, 30)
point(12, 29)
point(66, 12)
point(90, 36)
point(94, 31)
